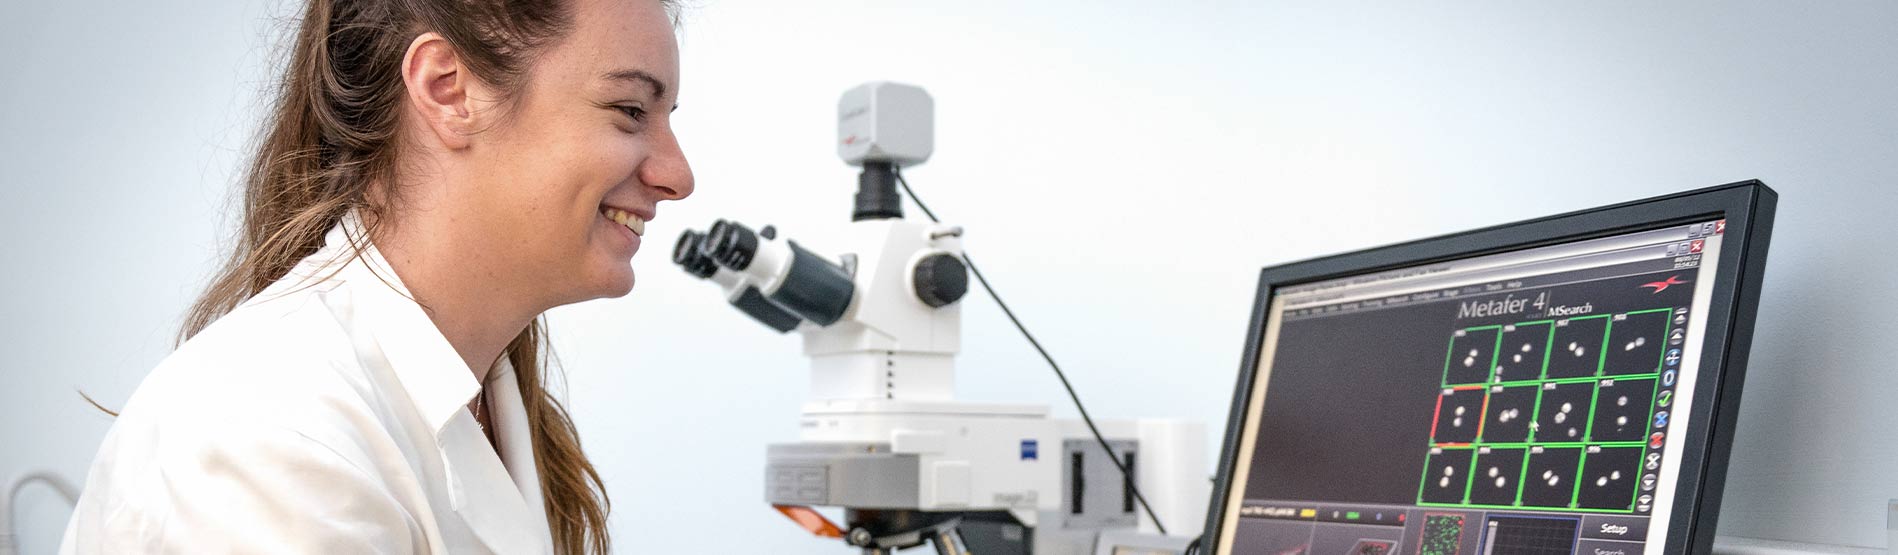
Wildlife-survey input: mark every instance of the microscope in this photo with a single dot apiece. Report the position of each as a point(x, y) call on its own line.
point(882, 436)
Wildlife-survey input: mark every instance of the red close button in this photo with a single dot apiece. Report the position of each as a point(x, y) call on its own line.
point(1654, 441)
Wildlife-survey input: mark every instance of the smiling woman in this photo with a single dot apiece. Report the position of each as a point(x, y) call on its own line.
point(365, 373)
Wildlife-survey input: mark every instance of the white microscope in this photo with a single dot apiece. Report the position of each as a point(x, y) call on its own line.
point(882, 435)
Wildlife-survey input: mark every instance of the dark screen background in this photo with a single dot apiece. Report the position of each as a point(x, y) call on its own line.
point(1349, 404)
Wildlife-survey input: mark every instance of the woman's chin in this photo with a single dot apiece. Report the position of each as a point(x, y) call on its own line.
point(609, 274)
point(619, 282)
point(608, 283)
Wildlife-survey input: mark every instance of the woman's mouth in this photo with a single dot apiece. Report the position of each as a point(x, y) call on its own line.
point(632, 222)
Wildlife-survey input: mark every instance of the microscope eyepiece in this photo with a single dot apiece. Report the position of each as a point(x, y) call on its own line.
point(686, 254)
point(730, 244)
point(803, 285)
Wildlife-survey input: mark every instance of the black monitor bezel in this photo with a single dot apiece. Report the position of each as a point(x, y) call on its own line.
point(1747, 207)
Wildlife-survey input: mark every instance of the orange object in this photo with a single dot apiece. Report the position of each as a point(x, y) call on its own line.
point(808, 518)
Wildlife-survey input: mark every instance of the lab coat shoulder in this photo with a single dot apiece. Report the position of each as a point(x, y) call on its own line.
point(286, 363)
point(262, 433)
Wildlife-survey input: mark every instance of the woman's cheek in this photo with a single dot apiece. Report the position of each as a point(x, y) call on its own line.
point(619, 158)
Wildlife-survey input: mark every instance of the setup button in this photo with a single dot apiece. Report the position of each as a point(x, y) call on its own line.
point(1600, 547)
point(1602, 527)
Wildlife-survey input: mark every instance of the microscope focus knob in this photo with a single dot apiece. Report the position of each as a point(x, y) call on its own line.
point(940, 279)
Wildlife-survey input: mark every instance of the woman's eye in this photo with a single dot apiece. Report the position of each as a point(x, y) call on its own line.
point(638, 114)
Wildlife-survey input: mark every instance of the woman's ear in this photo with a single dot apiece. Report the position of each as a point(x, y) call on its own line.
point(441, 90)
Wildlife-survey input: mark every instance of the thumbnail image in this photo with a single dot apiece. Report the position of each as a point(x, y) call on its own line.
point(1446, 473)
point(1622, 410)
point(1472, 352)
point(1459, 415)
point(1577, 347)
point(1509, 413)
point(1610, 476)
point(1563, 415)
point(1549, 480)
point(1635, 343)
point(1497, 471)
point(1442, 534)
point(1523, 349)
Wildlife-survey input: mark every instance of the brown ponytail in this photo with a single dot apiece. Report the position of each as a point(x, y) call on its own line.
point(333, 132)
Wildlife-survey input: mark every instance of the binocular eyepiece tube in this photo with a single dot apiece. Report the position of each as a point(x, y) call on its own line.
point(775, 279)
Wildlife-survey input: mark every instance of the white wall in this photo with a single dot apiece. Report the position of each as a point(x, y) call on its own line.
point(1123, 168)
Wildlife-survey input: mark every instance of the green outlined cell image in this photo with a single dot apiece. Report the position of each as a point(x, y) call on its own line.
point(1623, 408)
point(1446, 476)
point(1472, 352)
point(1442, 534)
point(1610, 478)
point(1459, 415)
point(1563, 411)
point(1549, 478)
point(1524, 347)
point(1497, 475)
point(1636, 342)
point(1509, 412)
point(1576, 350)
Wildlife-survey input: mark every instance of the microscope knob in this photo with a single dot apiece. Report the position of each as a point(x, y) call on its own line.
point(941, 279)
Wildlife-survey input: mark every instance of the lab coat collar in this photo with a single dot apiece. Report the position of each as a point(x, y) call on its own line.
point(516, 439)
point(438, 381)
point(486, 496)
point(440, 386)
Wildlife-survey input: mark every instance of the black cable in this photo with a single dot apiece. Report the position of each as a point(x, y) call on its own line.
point(1124, 474)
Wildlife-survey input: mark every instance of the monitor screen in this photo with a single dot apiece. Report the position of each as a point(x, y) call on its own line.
point(1520, 402)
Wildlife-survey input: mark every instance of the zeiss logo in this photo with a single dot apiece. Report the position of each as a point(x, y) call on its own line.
point(1030, 450)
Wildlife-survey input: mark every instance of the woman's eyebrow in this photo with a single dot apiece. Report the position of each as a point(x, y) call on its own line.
point(658, 87)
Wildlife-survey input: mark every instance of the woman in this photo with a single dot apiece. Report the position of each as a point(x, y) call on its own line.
point(365, 373)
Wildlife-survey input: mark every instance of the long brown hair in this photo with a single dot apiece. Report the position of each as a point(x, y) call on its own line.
point(333, 133)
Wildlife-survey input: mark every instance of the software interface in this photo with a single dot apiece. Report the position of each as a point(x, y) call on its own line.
point(1523, 403)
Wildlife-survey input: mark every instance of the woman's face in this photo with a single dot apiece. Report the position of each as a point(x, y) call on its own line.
point(586, 143)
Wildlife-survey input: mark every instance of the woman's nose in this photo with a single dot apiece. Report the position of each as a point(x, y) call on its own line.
point(667, 169)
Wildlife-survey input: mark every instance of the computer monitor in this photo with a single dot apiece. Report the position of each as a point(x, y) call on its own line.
point(1556, 386)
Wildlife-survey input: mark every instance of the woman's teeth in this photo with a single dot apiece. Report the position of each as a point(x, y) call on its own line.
point(627, 219)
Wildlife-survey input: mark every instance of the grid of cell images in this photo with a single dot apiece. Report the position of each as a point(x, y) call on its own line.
point(1551, 414)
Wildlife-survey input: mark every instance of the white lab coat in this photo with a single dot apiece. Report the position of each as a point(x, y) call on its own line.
point(326, 415)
